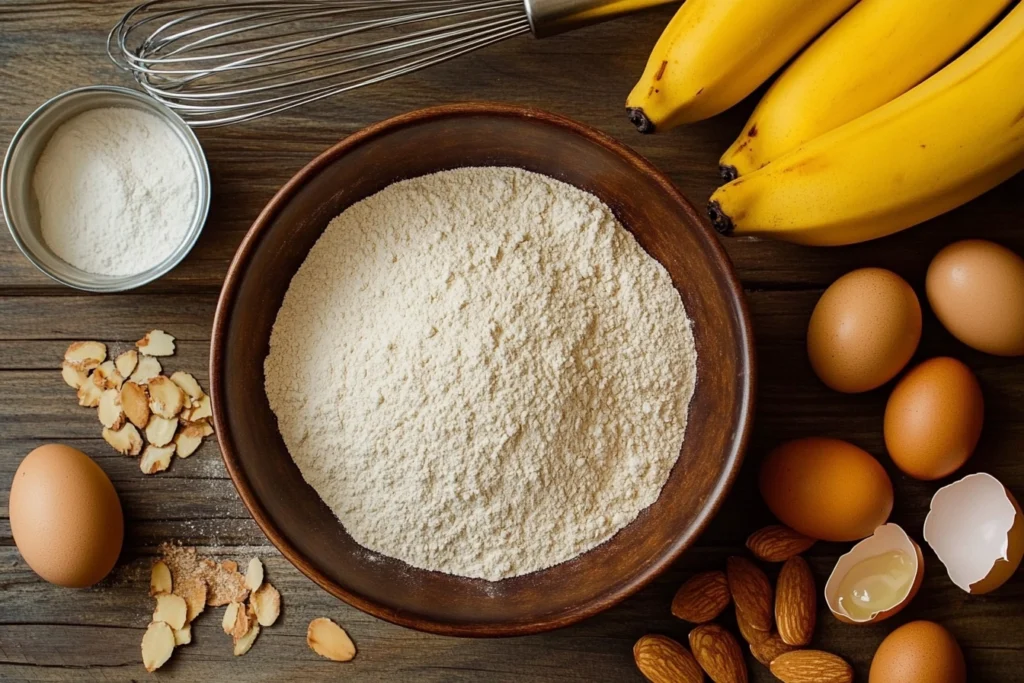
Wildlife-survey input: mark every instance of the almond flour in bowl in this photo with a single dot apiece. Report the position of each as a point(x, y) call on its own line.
point(481, 372)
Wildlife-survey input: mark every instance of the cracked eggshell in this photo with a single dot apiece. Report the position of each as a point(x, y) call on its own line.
point(976, 529)
point(886, 537)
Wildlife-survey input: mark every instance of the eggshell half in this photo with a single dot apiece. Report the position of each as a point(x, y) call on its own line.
point(886, 537)
point(976, 529)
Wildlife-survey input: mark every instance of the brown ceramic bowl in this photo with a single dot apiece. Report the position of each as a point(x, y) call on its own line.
point(665, 224)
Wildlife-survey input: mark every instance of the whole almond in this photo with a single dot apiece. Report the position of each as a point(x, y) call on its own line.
point(663, 660)
point(751, 591)
point(811, 666)
point(796, 602)
point(778, 543)
point(718, 653)
point(749, 633)
point(768, 649)
point(702, 597)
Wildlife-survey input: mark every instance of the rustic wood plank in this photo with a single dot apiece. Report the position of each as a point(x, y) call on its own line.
point(49, 633)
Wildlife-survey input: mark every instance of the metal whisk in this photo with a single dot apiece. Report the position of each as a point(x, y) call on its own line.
point(222, 63)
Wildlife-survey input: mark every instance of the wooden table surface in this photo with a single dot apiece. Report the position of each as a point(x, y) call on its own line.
point(51, 633)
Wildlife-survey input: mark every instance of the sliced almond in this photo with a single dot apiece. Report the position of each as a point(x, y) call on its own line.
point(254, 574)
point(718, 653)
point(86, 355)
point(157, 645)
point(702, 598)
point(147, 368)
point(135, 403)
point(200, 410)
point(156, 343)
point(110, 412)
point(796, 602)
point(811, 666)
point(231, 567)
point(243, 644)
point(751, 591)
point(777, 543)
point(183, 636)
point(230, 616)
point(89, 394)
point(73, 375)
point(160, 431)
point(186, 443)
point(193, 591)
point(126, 362)
point(166, 399)
point(188, 384)
point(106, 376)
point(244, 619)
point(266, 602)
point(663, 660)
point(125, 440)
point(159, 578)
point(171, 609)
point(156, 459)
point(329, 640)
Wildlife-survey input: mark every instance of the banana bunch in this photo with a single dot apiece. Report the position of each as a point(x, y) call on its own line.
point(940, 144)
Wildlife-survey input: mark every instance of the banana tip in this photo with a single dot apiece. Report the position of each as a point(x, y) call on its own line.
point(640, 120)
point(728, 172)
point(723, 224)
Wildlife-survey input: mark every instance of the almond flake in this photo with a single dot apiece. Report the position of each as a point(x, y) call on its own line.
point(110, 413)
point(254, 574)
point(200, 410)
point(171, 610)
point(126, 362)
point(166, 399)
point(89, 394)
point(230, 616)
point(156, 459)
point(157, 645)
point(106, 376)
point(159, 578)
point(244, 619)
point(135, 403)
point(194, 592)
point(243, 644)
point(125, 440)
point(147, 368)
point(188, 384)
point(329, 640)
point(230, 566)
point(183, 636)
point(266, 602)
point(156, 343)
point(186, 444)
point(160, 430)
point(73, 375)
point(86, 355)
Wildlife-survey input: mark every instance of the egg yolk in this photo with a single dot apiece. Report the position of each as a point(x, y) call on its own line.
point(876, 584)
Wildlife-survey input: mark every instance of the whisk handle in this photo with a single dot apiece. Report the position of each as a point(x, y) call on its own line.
point(550, 17)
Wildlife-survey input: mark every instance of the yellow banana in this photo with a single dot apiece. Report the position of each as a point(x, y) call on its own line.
point(942, 143)
point(874, 53)
point(716, 52)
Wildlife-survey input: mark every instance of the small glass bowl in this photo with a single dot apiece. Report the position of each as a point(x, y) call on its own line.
point(21, 209)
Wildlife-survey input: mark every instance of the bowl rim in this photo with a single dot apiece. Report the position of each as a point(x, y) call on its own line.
point(232, 462)
point(203, 189)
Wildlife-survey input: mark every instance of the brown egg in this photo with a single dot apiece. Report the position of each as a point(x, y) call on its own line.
point(918, 652)
point(976, 289)
point(826, 489)
point(933, 419)
point(65, 516)
point(863, 330)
